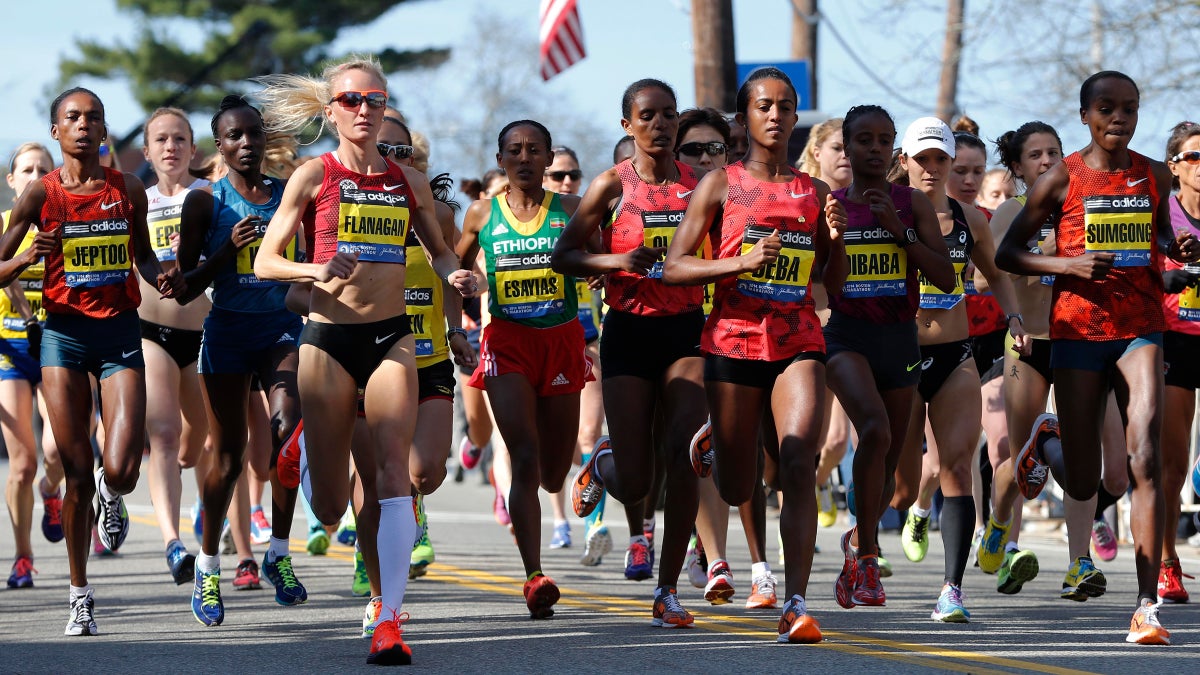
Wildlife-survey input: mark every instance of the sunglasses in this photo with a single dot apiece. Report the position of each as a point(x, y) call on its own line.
point(1191, 157)
point(353, 100)
point(399, 150)
point(695, 149)
point(560, 176)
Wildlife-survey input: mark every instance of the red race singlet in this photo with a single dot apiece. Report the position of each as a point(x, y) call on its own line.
point(368, 215)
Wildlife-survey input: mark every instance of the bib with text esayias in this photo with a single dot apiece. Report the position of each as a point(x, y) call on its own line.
point(373, 223)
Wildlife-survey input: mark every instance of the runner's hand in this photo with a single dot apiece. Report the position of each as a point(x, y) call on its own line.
point(1174, 281)
point(464, 282)
point(464, 355)
point(835, 217)
point(1091, 266)
point(340, 266)
point(766, 250)
point(245, 232)
point(171, 284)
point(641, 259)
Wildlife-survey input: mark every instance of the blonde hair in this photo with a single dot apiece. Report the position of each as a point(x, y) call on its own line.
point(420, 151)
point(280, 158)
point(161, 112)
point(290, 102)
point(28, 147)
point(816, 138)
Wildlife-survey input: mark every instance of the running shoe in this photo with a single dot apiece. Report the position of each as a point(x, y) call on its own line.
point(587, 489)
point(950, 606)
point(318, 541)
point(227, 545)
point(562, 536)
point(288, 463)
point(52, 527)
point(499, 506)
point(796, 626)
point(1144, 628)
point(843, 586)
point(288, 589)
point(975, 539)
point(763, 595)
point(181, 563)
point(371, 616)
point(347, 531)
point(597, 543)
point(1104, 540)
point(98, 547)
point(695, 563)
point(1083, 581)
point(206, 598)
point(826, 508)
point(246, 578)
point(361, 586)
point(422, 556)
point(914, 537)
point(885, 566)
point(648, 527)
point(112, 519)
point(719, 588)
point(1170, 582)
point(991, 548)
point(869, 591)
point(387, 642)
point(198, 522)
point(540, 596)
point(83, 615)
point(851, 503)
point(668, 613)
point(639, 562)
point(260, 527)
point(468, 454)
point(1032, 472)
point(1019, 567)
point(1196, 476)
point(701, 450)
point(22, 573)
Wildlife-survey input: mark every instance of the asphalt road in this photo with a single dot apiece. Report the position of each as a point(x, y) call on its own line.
point(468, 614)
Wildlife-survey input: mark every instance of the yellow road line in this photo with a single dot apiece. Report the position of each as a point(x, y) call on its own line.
point(925, 656)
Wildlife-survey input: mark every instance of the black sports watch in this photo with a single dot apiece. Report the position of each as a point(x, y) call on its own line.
point(910, 237)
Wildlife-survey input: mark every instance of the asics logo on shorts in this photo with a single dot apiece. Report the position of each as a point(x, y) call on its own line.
point(927, 363)
point(559, 380)
point(380, 340)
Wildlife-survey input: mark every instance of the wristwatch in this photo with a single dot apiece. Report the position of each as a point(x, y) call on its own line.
point(1009, 317)
point(454, 330)
point(910, 237)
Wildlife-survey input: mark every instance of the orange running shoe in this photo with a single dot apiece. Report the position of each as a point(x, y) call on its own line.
point(796, 626)
point(1144, 628)
point(540, 596)
point(701, 451)
point(288, 463)
point(586, 488)
point(1031, 469)
point(387, 644)
point(763, 595)
point(668, 613)
point(1170, 582)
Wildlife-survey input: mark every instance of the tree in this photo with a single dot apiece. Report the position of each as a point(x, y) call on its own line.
point(255, 37)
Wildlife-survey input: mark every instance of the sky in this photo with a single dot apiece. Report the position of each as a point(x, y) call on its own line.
point(625, 39)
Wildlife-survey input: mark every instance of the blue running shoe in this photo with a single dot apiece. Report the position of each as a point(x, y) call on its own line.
point(562, 536)
point(950, 606)
point(347, 532)
point(52, 527)
point(288, 589)
point(206, 598)
point(639, 562)
point(181, 562)
point(22, 573)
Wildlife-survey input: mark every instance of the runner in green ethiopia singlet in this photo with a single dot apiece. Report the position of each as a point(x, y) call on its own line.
point(523, 287)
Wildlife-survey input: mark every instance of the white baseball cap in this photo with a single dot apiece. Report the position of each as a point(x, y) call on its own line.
point(925, 133)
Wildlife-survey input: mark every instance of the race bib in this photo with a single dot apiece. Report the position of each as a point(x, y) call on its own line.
point(585, 302)
point(246, 256)
point(526, 287)
point(95, 253)
point(373, 223)
point(163, 223)
point(876, 269)
point(1189, 304)
point(933, 297)
point(786, 278)
point(419, 305)
point(658, 230)
point(1121, 225)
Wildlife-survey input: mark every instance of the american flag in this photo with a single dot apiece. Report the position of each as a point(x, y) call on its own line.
point(560, 36)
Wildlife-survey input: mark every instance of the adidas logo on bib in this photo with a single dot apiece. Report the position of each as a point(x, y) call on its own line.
point(559, 380)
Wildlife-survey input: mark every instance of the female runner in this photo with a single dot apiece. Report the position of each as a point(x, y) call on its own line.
point(92, 231)
point(650, 348)
point(358, 333)
point(763, 346)
point(1106, 321)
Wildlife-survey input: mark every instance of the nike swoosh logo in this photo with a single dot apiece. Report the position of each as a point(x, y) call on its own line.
point(126, 355)
point(1131, 183)
point(910, 368)
point(380, 340)
point(793, 195)
point(683, 195)
point(391, 187)
point(105, 207)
